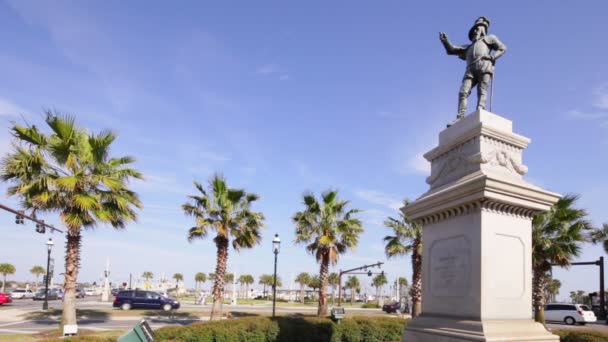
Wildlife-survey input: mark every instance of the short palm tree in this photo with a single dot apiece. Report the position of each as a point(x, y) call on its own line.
point(246, 279)
point(303, 279)
point(556, 239)
point(37, 271)
point(403, 284)
point(6, 269)
point(333, 279)
point(328, 228)
point(407, 239)
point(70, 171)
point(353, 284)
point(314, 284)
point(147, 275)
point(199, 279)
point(178, 277)
point(552, 289)
point(265, 280)
point(378, 282)
point(227, 212)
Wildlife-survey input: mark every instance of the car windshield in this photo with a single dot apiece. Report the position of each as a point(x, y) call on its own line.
point(585, 308)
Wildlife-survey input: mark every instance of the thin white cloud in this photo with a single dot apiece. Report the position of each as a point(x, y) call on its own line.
point(380, 198)
point(11, 109)
point(418, 164)
point(273, 69)
point(601, 97)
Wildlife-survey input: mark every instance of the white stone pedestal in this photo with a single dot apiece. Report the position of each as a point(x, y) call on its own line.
point(476, 217)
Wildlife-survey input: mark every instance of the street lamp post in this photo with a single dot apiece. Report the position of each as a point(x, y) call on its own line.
point(49, 246)
point(276, 247)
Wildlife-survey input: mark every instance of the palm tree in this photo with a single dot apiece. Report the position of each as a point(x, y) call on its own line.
point(246, 279)
point(6, 269)
point(265, 280)
point(147, 275)
point(178, 277)
point(228, 279)
point(70, 171)
point(353, 284)
point(212, 276)
point(333, 279)
point(303, 279)
point(407, 238)
point(556, 238)
point(200, 278)
point(552, 289)
point(37, 271)
point(226, 211)
point(328, 229)
point(601, 235)
point(403, 284)
point(314, 283)
point(378, 282)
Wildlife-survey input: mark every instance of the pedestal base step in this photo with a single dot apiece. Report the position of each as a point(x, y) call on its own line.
point(442, 329)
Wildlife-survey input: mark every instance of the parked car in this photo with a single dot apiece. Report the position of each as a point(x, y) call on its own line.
point(89, 292)
point(392, 307)
point(144, 299)
point(5, 298)
point(569, 313)
point(80, 293)
point(53, 294)
point(115, 291)
point(22, 294)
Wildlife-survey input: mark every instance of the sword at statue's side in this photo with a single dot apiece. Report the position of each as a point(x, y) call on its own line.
point(492, 90)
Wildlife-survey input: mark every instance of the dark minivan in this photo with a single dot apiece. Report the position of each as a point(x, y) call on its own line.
point(144, 300)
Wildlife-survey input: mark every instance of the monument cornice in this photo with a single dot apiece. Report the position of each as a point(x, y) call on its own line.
point(480, 191)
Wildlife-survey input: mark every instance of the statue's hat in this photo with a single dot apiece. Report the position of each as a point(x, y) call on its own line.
point(481, 21)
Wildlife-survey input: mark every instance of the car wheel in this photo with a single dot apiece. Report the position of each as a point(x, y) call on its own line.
point(167, 307)
point(126, 306)
point(569, 320)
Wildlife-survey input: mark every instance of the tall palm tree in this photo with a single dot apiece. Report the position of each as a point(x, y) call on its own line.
point(228, 279)
point(303, 279)
point(353, 284)
point(333, 279)
point(601, 235)
point(6, 269)
point(556, 238)
point(378, 282)
point(328, 229)
point(70, 171)
point(246, 279)
point(37, 271)
point(199, 279)
point(178, 277)
point(407, 239)
point(226, 211)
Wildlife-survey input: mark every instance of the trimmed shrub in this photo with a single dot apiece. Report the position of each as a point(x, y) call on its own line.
point(581, 336)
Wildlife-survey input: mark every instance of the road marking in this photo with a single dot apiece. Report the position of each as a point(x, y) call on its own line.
point(9, 331)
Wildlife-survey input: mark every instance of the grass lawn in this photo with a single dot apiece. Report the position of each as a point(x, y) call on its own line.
point(56, 334)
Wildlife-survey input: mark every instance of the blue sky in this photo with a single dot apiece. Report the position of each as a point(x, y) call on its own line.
point(284, 97)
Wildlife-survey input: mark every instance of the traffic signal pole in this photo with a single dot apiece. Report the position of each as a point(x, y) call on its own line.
point(29, 217)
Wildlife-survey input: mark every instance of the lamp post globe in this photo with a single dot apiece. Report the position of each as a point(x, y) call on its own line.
point(276, 248)
point(49, 246)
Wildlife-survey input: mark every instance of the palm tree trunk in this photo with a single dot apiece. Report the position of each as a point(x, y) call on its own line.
point(37, 277)
point(72, 263)
point(323, 274)
point(352, 296)
point(220, 271)
point(333, 295)
point(538, 300)
point(416, 289)
point(302, 293)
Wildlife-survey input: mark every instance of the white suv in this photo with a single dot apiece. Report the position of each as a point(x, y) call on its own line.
point(22, 294)
point(569, 313)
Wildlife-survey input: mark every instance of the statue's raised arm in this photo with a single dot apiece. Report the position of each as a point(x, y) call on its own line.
point(481, 56)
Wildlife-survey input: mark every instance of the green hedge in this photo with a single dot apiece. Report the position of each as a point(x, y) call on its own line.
point(287, 329)
point(581, 336)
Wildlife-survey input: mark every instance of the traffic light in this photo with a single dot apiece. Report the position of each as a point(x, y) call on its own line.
point(40, 228)
point(19, 218)
point(369, 273)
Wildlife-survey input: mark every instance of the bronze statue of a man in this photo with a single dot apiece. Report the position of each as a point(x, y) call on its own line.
point(480, 62)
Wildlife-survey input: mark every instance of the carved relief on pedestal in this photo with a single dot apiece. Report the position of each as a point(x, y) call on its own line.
point(481, 152)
